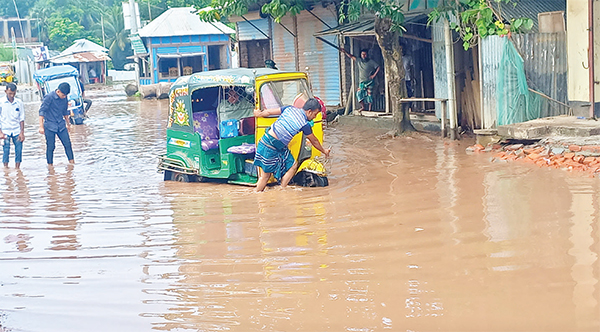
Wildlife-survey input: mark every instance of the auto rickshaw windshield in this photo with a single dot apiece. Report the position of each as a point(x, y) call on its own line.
point(281, 93)
point(74, 94)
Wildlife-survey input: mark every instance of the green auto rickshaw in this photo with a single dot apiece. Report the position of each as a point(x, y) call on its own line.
point(212, 131)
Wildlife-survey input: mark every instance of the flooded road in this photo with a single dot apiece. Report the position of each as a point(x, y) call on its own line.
point(411, 235)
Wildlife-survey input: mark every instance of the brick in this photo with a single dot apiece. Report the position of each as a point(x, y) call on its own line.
point(575, 148)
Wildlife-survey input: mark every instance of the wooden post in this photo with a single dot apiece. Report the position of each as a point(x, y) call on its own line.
point(443, 124)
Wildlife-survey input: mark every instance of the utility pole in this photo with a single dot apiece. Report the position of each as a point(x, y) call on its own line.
point(103, 36)
point(133, 17)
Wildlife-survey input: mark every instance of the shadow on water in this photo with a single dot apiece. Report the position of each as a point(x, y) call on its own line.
point(412, 235)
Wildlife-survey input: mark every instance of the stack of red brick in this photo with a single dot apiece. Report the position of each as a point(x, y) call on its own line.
point(570, 157)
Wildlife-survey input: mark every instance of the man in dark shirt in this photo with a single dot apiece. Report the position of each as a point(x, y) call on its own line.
point(54, 121)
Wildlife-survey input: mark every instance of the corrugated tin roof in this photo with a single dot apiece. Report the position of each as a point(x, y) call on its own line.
point(366, 26)
point(83, 45)
point(81, 57)
point(182, 22)
point(531, 9)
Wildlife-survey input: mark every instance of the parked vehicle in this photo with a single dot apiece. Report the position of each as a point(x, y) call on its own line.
point(48, 79)
point(7, 73)
point(208, 138)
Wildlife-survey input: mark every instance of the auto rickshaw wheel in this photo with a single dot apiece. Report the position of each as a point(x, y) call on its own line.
point(180, 177)
point(168, 176)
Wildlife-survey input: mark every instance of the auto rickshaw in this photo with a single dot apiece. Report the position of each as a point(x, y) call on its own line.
point(7, 74)
point(212, 132)
point(48, 79)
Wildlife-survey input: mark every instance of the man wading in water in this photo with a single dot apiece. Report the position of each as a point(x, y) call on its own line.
point(54, 121)
point(272, 153)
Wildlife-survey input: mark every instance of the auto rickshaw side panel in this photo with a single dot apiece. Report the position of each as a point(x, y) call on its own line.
point(263, 123)
point(182, 142)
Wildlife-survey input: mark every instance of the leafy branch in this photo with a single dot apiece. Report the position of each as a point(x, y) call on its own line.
point(478, 19)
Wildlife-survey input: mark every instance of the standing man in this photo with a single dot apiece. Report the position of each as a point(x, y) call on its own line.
point(272, 153)
point(367, 71)
point(12, 124)
point(87, 102)
point(54, 121)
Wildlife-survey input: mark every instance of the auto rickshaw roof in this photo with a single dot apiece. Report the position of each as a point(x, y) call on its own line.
point(51, 73)
point(223, 77)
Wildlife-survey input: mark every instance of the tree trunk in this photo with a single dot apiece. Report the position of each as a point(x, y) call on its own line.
point(389, 42)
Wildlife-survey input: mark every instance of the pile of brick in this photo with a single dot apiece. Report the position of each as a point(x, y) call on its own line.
point(561, 156)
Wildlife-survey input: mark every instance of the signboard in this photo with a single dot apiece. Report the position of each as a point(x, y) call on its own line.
point(40, 53)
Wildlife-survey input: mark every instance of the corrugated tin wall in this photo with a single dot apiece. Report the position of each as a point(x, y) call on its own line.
point(439, 66)
point(545, 62)
point(320, 61)
point(245, 31)
point(284, 50)
point(491, 53)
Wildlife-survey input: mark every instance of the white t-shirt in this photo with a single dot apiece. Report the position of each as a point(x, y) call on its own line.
point(11, 115)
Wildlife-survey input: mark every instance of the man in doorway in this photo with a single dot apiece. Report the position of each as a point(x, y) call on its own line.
point(272, 153)
point(367, 71)
point(12, 124)
point(54, 121)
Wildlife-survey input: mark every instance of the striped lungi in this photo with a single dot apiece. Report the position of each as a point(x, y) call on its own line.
point(273, 156)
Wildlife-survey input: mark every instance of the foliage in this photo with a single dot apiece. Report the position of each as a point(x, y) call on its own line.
point(478, 18)
point(6, 54)
point(63, 32)
point(117, 38)
point(7, 7)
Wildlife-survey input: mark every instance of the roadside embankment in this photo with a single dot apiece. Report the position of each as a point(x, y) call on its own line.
point(559, 153)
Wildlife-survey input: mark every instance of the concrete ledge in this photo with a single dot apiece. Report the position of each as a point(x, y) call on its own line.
point(386, 123)
point(554, 126)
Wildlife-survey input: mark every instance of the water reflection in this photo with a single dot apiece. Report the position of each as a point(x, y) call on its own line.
point(584, 209)
point(16, 202)
point(62, 209)
point(412, 235)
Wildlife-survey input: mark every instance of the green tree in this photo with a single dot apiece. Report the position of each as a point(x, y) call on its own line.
point(388, 28)
point(479, 19)
point(63, 32)
point(6, 54)
point(117, 38)
point(7, 7)
point(61, 22)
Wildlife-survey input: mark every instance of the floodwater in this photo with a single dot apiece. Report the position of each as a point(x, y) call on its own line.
point(412, 234)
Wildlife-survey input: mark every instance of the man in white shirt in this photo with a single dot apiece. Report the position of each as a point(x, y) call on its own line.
point(12, 124)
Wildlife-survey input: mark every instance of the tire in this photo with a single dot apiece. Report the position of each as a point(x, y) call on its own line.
point(306, 179)
point(168, 176)
point(180, 177)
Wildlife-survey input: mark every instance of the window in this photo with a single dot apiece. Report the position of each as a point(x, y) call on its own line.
point(281, 93)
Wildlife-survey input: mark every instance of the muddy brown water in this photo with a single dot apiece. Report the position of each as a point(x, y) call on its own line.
point(412, 234)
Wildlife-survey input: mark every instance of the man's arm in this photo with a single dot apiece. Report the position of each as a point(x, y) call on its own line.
point(45, 106)
point(41, 130)
point(267, 112)
point(348, 54)
point(315, 142)
point(22, 133)
point(22, 122)
point(375, 73)
point(68, 123)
